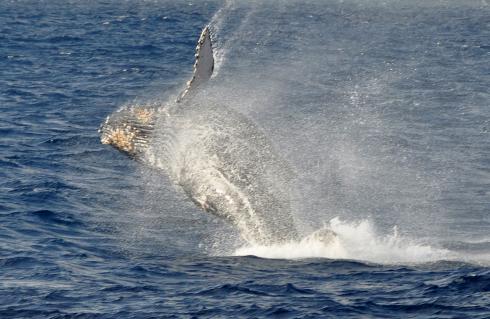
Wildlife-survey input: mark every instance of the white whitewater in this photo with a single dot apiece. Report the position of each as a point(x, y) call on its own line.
point(354, 240)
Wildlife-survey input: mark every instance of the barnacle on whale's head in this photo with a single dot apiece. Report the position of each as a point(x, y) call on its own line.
point(128, 130)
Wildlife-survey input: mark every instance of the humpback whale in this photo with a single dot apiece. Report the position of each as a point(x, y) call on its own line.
point(220, 158)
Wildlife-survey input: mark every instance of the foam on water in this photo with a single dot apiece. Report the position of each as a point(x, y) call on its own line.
point(355, 240)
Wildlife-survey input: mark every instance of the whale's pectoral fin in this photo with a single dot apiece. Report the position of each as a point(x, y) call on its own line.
point(204, 64)
point(323, 235)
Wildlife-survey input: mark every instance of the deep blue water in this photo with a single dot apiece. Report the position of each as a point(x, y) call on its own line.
point(382, 108)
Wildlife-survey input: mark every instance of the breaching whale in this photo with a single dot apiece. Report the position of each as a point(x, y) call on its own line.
point(220, 158)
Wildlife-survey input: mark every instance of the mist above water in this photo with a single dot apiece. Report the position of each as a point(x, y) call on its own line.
point(351, 105)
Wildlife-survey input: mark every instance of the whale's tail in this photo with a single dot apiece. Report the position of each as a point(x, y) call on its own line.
point(129, 129)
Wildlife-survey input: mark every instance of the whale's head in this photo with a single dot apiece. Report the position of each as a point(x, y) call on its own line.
point(128, 130)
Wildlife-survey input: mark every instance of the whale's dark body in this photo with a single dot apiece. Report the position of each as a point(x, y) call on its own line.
point(220, 158)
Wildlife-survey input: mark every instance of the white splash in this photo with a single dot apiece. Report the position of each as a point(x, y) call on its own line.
point(216, 25)
point(354, 240)
point(221, 21)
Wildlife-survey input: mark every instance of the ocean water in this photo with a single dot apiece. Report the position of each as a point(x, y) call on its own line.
point(382, 109)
